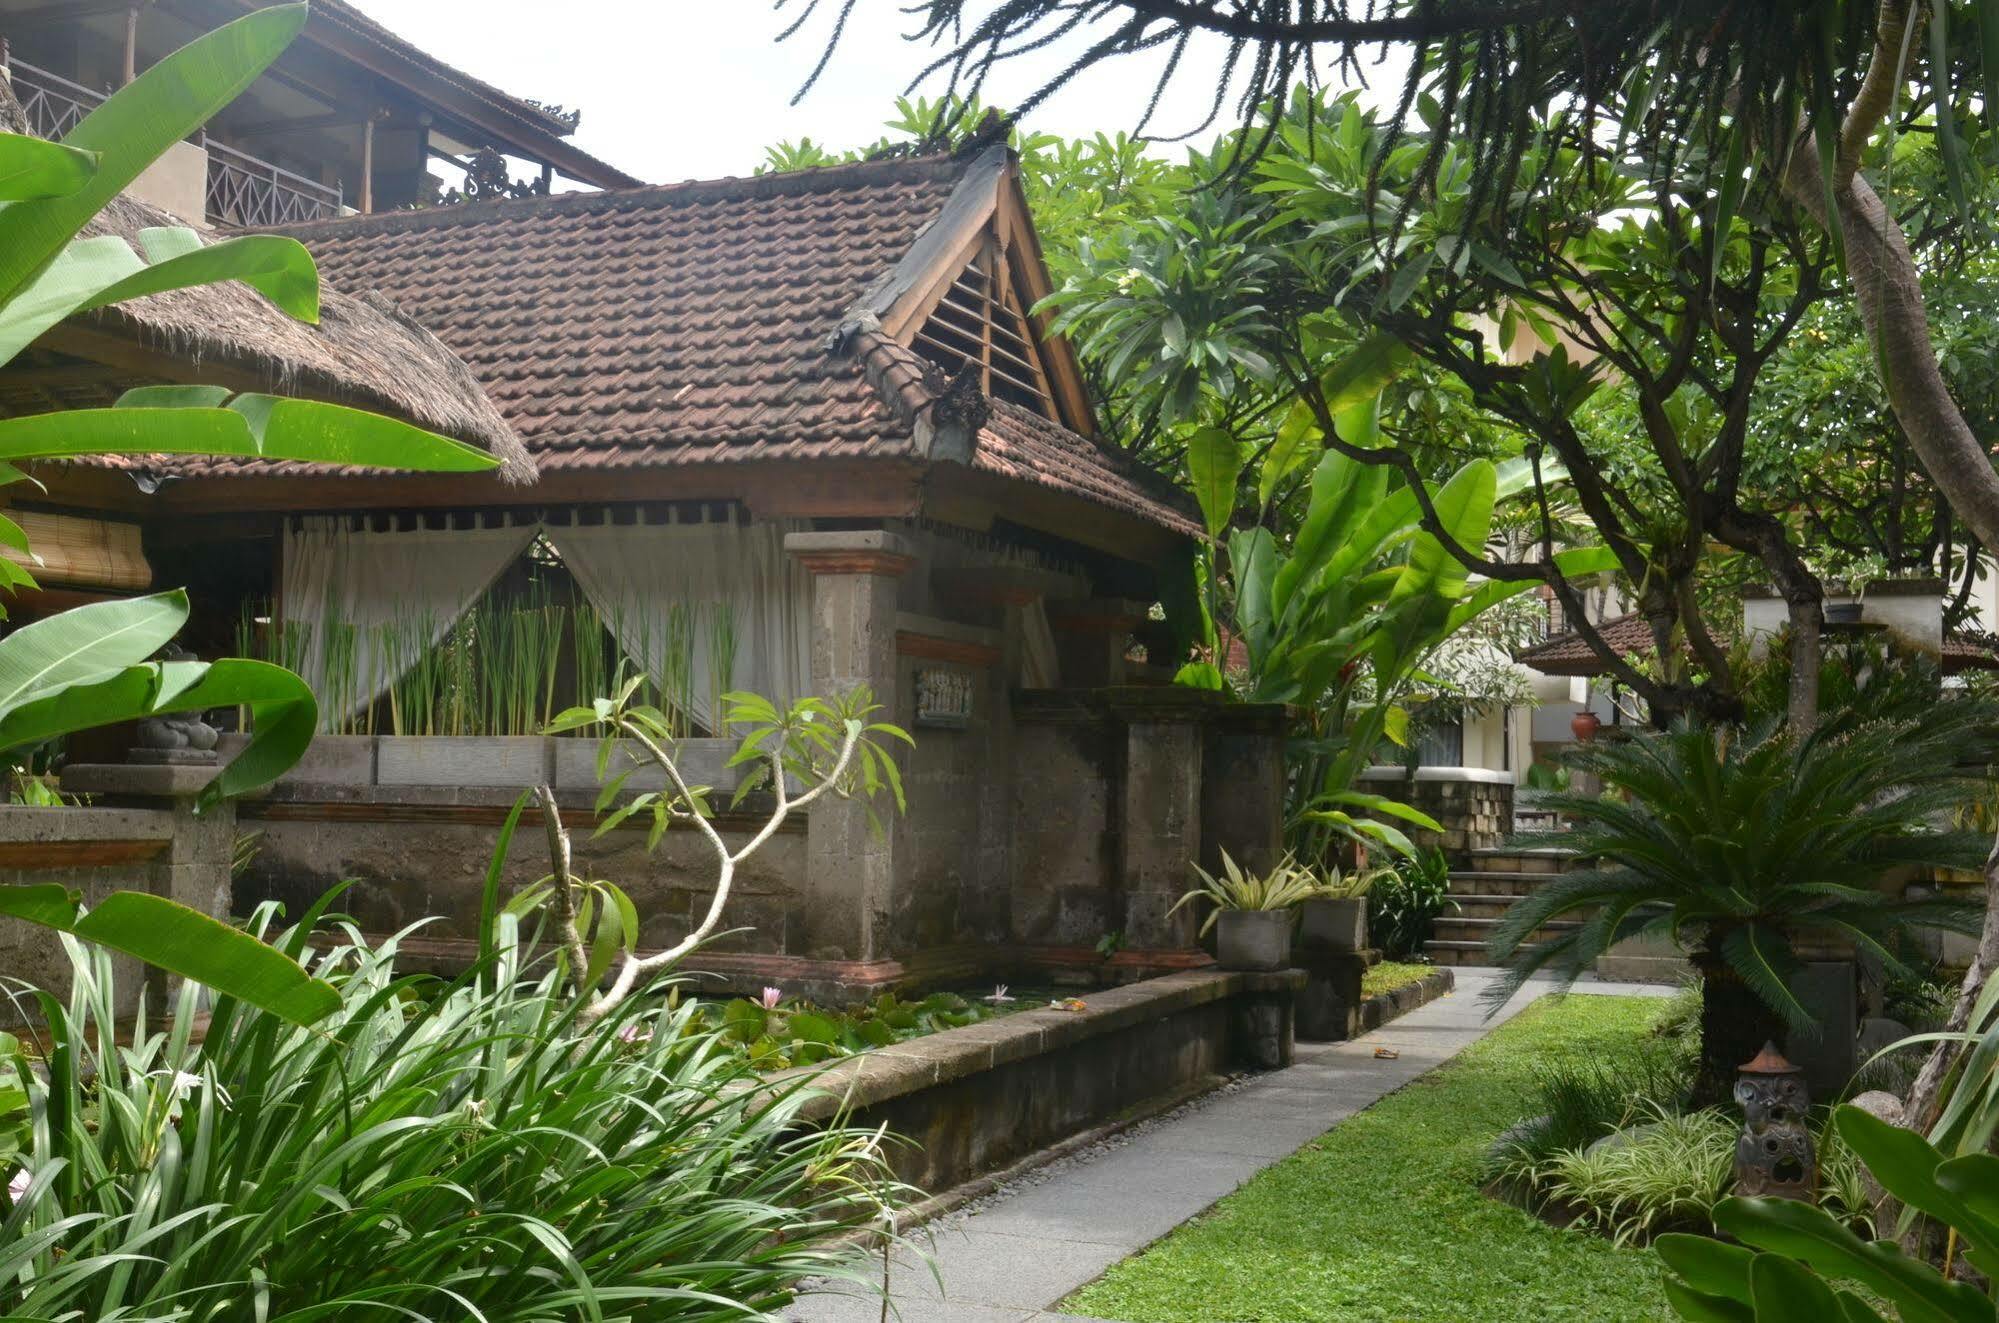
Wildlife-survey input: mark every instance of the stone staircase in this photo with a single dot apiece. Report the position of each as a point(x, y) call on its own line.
point(1491, 883)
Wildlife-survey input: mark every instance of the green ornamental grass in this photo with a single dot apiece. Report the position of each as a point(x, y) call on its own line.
point(429, 1152)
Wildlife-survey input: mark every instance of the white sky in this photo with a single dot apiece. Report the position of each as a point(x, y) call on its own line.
point(693, 89)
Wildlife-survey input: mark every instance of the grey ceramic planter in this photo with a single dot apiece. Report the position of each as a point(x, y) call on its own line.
point(1253, 939)
point(1334, 925)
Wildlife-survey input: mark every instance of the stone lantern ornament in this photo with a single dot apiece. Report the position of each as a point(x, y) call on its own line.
point(1774, 1158)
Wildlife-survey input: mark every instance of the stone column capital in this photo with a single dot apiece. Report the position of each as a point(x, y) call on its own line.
point(861, 551)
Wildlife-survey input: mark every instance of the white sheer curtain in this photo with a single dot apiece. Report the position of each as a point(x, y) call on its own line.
point(681, 594)
point(1040, 663)
point(370, 599)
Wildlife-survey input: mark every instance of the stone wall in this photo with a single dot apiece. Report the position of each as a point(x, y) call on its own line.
point(1474, 806)
point(414, 853)
point(139, 834)
point(974, 1100)
point(1119, 791)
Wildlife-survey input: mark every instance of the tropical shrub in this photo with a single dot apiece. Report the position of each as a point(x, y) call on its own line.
point(1403, 908)
point(1738, 845)
point(1237, 888)
point(1795, 1261)
point(1667, 1170)
point(823, 747)
point(429, 1151)
point(1352, 883)
point(1340, 620)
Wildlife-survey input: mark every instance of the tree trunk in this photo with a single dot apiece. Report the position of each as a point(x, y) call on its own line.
point(1807, 650)
point(1888, 291)
point(1926, 1095)
point(1735, 1024)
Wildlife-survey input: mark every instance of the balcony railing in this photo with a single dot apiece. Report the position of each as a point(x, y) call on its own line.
point(252, 194)
point(54, 105)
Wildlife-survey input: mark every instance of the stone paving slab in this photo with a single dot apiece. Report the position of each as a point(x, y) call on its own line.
point(1018, 1255)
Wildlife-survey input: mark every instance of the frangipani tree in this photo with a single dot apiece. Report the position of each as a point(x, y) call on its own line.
point(826, 748)
point(94, 665)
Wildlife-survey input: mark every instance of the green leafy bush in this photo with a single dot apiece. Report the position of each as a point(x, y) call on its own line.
point(1403, 907)
point(1667, 1171)
point(426, 1152)
point(1237, 888)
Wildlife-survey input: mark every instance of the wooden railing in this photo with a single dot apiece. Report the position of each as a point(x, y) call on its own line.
point(252, 194)
point(54, 105)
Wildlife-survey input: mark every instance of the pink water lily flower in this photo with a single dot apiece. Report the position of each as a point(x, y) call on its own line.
point(999, 997)
point(634, 1033)
point(771, 997)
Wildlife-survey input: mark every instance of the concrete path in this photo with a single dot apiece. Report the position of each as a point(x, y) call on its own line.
point(1013, 1257)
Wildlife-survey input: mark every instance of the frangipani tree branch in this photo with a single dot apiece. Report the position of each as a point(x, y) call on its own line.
point(632, 967)
point(800, 739)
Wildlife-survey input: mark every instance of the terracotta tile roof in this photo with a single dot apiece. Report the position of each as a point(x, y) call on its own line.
point(694, 323)
point(1020, 444)
point(1966, 650)
point(1570, 654)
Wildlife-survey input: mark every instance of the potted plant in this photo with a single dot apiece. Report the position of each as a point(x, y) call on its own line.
point(1334, 916)
point(1251, 913)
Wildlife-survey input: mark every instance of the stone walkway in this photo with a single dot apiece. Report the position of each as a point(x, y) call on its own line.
point(1013, 1257)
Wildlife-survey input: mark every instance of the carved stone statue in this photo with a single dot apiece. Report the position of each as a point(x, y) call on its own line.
point(181, 738)
point(1774, 1157)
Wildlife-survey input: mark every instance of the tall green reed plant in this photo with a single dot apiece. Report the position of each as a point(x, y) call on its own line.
point(431, 1151)
point(506, 668)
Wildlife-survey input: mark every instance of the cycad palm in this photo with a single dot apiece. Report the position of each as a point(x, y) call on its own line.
point(1742, 846)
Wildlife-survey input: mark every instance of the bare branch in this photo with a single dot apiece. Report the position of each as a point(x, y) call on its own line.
point(559, 859)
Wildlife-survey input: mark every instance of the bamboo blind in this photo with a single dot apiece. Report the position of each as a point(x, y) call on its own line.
point(80, 552)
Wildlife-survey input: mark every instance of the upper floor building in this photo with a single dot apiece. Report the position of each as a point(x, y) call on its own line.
point(352, 118)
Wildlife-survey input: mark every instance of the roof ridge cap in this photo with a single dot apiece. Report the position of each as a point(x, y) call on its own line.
point(910, 169)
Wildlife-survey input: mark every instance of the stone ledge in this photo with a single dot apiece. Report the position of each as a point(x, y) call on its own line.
point(1391, 1006)
point(1482, 776)
point(83, 823)
point(138, 780)
point(874, 1077)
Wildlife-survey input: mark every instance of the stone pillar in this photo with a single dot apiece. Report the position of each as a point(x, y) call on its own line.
point(192, 866)
point(850, 874)
point(1242, 785)
point(1159, 824)
point(1091, 637)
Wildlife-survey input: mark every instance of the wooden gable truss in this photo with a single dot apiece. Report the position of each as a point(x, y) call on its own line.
point(973, 308)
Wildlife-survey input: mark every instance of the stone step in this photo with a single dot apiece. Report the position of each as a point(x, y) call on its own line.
point(1522, 861)
point(1482, 882)
point(1451, 928)
point(1479, 906)
point(1456, 953)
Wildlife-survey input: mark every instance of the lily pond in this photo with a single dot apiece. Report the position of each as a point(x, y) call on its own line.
point(776, 1033)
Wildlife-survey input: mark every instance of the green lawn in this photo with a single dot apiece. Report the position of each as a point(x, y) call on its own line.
point(1382, 1217)
point(1390, 975)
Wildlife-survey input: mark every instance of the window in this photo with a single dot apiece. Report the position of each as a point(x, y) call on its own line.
point(1443, 744)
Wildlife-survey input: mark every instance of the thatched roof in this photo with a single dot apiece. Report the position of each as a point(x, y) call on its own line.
point(364, 351)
